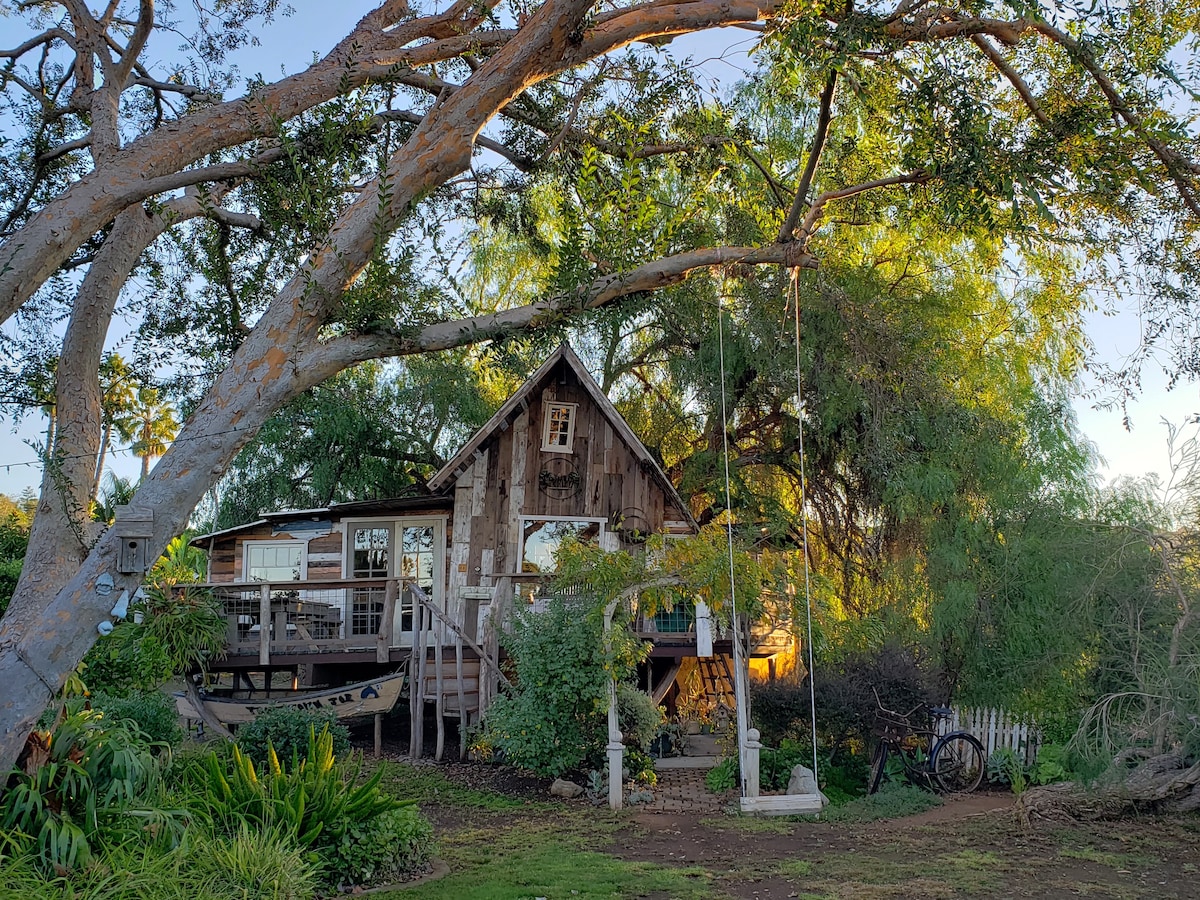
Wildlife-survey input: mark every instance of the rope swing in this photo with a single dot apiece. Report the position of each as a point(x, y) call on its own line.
point(741, 701)
point(748, 746)
point(794, 283)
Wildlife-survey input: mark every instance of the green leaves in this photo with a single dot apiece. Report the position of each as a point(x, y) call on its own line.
point(87, 781)
point(553, 722)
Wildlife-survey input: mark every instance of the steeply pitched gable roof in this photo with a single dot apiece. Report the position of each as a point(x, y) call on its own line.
point(521, 400)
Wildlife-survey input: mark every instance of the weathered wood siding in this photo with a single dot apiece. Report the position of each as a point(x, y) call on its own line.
point(325, 538)
point(503, 485)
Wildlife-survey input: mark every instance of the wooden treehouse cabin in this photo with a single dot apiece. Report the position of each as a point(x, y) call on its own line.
point(341, 595)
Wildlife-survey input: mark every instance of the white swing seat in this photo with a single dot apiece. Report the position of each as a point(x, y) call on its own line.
point(783, 805)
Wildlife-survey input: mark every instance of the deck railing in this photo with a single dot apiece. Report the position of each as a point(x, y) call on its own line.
point(298, 617)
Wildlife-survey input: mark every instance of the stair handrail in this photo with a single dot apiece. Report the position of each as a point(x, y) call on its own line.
point(422, 598)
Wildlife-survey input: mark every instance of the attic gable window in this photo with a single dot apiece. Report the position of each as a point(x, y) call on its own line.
point(558, 429)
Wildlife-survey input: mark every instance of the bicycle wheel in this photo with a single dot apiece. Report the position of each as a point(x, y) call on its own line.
point(957, 763)
point(878, 764)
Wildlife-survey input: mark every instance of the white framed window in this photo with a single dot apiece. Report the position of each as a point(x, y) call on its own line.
point(558, 426)
point(275, 561)
point(541, 538)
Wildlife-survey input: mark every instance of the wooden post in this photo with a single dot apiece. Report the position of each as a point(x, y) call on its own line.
point(489, 654)
point(416, 691)
point(616, 749)
point(384, 638)
point(750, 758)
point(438, 700)
point(264, 624)
point(462, 699)
point(616, 752)
point(378, 735)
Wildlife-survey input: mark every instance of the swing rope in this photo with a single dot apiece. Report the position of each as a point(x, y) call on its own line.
point(739, 695)
point(812, 691)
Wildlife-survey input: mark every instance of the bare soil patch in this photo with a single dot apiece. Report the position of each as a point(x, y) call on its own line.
point(971, 846)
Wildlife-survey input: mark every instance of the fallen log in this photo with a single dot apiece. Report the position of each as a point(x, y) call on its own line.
point(1165, 783)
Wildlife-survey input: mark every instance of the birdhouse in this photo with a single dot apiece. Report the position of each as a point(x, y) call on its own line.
point(134, 528)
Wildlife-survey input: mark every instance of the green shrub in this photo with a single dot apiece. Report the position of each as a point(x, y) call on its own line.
point(315, 799)
point(554, 721)
point(845, 691)
point(10, 573)
point(639, 718)
point(381, 849)
point(780, 709)
point(1052, 765)
point(288, 729)
point(152, 711)
point(250, 866)
point(840, 782)
point(127, 661)
point(178, 629)
point(775, 766)
point(723, 776)
point(318, 802)
point(893, 801)
point(14, 540)
point(1006, 769)
point(843, 780)
point(91, 788)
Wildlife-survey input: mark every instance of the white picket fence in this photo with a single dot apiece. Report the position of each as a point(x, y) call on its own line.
point(995, 729)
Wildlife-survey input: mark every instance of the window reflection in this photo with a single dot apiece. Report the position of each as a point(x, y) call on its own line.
point(542, 538)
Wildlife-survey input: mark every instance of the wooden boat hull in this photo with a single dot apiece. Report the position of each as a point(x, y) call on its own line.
point(350, 701)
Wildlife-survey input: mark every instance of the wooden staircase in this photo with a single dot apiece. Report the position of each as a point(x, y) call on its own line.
point(707, 682)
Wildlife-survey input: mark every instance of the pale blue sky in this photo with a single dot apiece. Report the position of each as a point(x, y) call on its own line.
point(288, 46)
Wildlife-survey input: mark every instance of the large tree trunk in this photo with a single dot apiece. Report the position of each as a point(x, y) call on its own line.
point(155, 163)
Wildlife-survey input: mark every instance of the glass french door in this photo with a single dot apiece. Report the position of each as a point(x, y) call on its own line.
point(410, 549)
point(418, 556)
point(371, 554)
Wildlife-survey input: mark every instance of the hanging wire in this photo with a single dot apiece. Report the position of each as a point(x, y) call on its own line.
point(740, 699)
point(812, 691)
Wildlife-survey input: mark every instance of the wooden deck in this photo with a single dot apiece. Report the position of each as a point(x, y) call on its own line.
point(278, 624)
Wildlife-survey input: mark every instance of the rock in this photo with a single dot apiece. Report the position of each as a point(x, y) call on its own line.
point(566, 789)
point(803, 782)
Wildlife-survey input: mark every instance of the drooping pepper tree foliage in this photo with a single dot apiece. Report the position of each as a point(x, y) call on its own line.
point(1031, 120)
point(935, 417)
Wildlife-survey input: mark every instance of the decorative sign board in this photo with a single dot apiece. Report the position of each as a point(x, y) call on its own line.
point(560, 479)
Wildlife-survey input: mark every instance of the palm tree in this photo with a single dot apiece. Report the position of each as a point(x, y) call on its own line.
point(149, 427)
point(117, 398)
point(117, 491)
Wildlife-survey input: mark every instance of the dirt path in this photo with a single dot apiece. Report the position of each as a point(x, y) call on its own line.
point(969, 847)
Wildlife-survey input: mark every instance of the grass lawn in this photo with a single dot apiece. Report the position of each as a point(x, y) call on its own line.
point(528, 846)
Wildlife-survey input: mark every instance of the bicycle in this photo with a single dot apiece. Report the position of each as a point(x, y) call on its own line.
point(952, 763)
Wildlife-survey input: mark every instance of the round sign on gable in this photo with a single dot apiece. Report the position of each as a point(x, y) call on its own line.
point(560, 478)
